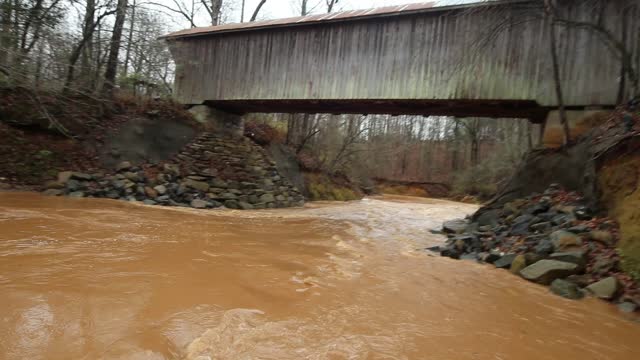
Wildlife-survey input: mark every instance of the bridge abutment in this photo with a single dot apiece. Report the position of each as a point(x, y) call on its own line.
point(218, 121)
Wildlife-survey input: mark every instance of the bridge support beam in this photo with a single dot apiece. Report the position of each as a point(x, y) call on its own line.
point(218, 121)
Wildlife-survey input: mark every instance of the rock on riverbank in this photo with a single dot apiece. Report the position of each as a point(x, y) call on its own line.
point(210, 172)
point(552, 239)
point(167, 185)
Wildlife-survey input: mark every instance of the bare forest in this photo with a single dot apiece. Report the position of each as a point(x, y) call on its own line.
point(110, 48)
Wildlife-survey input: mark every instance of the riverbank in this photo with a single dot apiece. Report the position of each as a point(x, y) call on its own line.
point(553, 239)
point(580, 241)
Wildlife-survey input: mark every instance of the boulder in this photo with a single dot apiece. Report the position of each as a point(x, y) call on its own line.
point(132, 176)
point(450, 252)
point(577, 257)
point(199, 204)
point(544, 247)
point(54, 185)
point(81, 176)
point(470, 257)
point(566, 289)
point(542, 227)
point(152, 193)
point(489, 218)
point(560, 219)
point(123, 166)
point(518, 263)
point(160, 189)
point(454, 226)
point(563, 240)
point(627, 307)
point(245, 205)
point(77, 194)
point(521, 225)
point(149, 202)
point(489, 257)
point(197, 178)
point(267, 198)
point(533, 258)
point(217, 183)
point(64, 176)
point(435, 249)
point(73, 185)
point(605, 288)
point(227, 196)
point(504, 261)
point(197, 185)
point(232, 204)
point(172, 169)
point(545, 271)
point(536, 209)
point(604, 264)
point(53, 192)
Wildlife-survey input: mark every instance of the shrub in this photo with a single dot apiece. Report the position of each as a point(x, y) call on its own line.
point(322, 187)
point(262, 133)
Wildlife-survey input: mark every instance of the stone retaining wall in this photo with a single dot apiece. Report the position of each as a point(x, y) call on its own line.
point(212, 171)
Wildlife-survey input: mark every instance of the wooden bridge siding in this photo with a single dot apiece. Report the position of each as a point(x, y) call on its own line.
point(426, 56)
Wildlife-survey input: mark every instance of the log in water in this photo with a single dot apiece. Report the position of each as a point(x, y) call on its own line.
point(101, 279)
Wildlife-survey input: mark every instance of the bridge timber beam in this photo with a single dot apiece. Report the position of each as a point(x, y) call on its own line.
point(460, 108)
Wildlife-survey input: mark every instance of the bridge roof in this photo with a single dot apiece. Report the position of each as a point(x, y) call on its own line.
point(350, 15)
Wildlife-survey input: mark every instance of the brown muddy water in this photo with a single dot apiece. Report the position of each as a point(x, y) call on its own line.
point(101, 279)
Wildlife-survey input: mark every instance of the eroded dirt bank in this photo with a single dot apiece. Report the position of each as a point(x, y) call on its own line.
point(93, 279)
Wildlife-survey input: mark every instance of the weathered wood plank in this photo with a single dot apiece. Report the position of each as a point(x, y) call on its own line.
point(426, 56)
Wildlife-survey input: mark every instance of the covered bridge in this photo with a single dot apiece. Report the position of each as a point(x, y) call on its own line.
point(487, 59)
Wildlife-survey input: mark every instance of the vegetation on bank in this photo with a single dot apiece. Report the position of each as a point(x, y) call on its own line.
point(46, 132)
point(321, 186)
point(619, 179)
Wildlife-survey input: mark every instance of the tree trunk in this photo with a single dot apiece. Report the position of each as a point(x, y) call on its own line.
point(87, 36)
point(216, 9)
point(38, 76)
point(475, 151)
point(550, 9)
point(623, 70)
point(255, 13)
point(330, 5)
point(114, 49)
point(127, 55)
point(455, 155)
point(6, 34)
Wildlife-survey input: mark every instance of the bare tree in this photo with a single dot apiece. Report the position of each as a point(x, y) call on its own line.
point(257, 10)
point(186, 10)
point(214, 9)
point(114, 49)
point(550, 10)
point(331, 4)
point(90, 24)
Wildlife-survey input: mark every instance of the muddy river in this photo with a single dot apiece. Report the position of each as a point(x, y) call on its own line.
point(101, 279)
